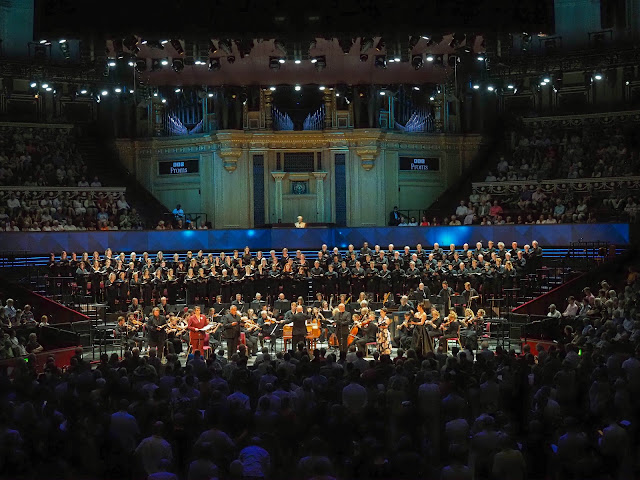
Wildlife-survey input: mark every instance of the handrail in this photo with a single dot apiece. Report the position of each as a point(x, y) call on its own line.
point(554, 118)
point(563, 181)
point(37, 125)
point(64, 189)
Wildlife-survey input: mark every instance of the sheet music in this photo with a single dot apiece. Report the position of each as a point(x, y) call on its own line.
point(209, 327)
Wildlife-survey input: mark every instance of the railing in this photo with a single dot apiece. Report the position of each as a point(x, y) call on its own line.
point(577, 120)
point(64, 189)
point(606, 184)
point(193, 217)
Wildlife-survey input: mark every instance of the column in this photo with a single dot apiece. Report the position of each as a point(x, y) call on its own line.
point(320, 176)
point(278, 176)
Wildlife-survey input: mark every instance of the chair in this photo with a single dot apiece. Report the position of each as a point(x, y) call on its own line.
point(206, 348)
point(369, 344)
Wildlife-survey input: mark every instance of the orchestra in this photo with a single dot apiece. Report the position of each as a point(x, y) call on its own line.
point(146, 287)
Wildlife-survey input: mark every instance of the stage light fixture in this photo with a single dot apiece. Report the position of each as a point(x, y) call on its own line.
point(144, 42)
point(345, 44)
point(104, 93)
point(131, 63)
point(281, 60)
point(598, 76)
point(298, 88)
point(210, 94)
point(43, 42)
point(392, 60)
point(546, 79)
point(480, 58)
point(231, 59)
point(83, 91)
point(226, 46)
point(141, 64)
point(297, 61)
point(321, 88)
point(273, 89)
point(33, 84)
point(177, 64)
point(383, 93)
point(432, 98)
point(131, 44)
point(164, 62)
point(164, 100)
point(178, 90)
point(274, 63)
point(177, 45)
point(365, 44)
point(164, 42)
point(381, 61)
point(45, 85)
point(111, 62)
point(430, 58)
point(214, 64)
point(118, 90)
point(49, 89)
point(396, 59)
point(510, 86)
point(491, 88)
point(416, 88)
point(476, 86)
point(364, 57)
point(314, 60)
point(321, 62)
point(416, 62)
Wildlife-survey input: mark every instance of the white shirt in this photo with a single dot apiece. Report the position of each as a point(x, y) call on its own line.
point(354, 397)
point(461, 211)
point(152, 450)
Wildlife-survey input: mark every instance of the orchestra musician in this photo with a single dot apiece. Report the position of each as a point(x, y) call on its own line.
point(470, 296)
point(251, 332)
point(404, 332)
point(175, 330)
point(383, 336)
point(342, 319)
point(195, 324)
point(367, 330)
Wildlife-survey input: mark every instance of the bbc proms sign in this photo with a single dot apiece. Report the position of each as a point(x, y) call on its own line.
point(419, 164)
point(178, 168)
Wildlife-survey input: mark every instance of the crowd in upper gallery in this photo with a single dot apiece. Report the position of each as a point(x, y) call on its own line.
point(42, 160)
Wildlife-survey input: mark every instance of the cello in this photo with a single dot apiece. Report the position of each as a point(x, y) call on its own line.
point(357, 324)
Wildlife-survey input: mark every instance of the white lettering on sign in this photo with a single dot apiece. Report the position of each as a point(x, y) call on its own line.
point(178, 170)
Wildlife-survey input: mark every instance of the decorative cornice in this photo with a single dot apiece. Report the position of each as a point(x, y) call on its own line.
point(230, 158)
point(320, 175)
point(278, 176)
point(368, 156)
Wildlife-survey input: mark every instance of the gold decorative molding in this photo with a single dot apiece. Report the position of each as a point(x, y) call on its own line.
point(230, 158)
point(367, 156)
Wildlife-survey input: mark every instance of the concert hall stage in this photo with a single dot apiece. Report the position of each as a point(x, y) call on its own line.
point(558, 235)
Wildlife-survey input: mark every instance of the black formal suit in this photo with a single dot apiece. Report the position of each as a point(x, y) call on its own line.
point(342, 319)
point(299, 331)
point(231, 332)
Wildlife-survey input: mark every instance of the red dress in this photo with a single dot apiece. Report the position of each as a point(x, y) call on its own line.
point(196, 338)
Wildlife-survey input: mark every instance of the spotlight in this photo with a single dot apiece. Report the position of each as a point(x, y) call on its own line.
point(155, 94)
point(164, 100)
point(627, 82)
point(131, 64)
point(83, 91)
point(43, 42)
point(546, 79)
point(337, 94)
point(321, 87)
point(49, 89)
point(144, 42)
point(480, 58)
point(281, 60)
point(476, 86)
point(210, 94)
point(111, 62)
point(397, 59)
point(416, 62)
point(383, 93)
point(430, 58)
point(598, 76)
point(177, 90)
point(426, 37)
point(511, 86)
point(141, 64)
point(364, 57)
point(432, 98)
point(273, 89)
point(177, 64)
point(392, 60)
point(298, 88)
point(104, 93)
point(45, 85)
point(381, 61)
point(416, 88)
point(542, 84)
point(214, 63)
point(314, 60)
point(491, 88)
point(62, 41)
point(177, 46)
point(297, 61)
point(164, 42)
point(164, 62)
point(118, 90)
point(33, 85)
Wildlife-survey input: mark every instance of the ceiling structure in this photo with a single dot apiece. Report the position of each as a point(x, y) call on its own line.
point(321, 61)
